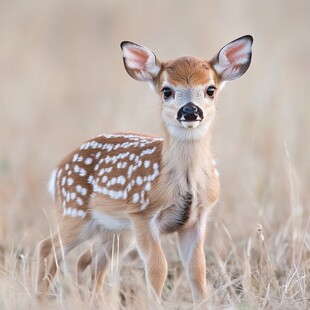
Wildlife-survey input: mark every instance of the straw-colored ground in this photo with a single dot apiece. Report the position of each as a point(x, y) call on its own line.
point(62, 81)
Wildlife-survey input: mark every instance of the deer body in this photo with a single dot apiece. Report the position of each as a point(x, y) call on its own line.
point(140, 186)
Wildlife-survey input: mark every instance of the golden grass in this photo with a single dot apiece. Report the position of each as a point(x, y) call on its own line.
point(62, 81)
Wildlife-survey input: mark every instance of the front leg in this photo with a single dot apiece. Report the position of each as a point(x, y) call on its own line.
point(191, 246)
point(154, 259)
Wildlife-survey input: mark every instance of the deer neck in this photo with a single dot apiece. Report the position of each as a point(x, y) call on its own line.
point(185, 162)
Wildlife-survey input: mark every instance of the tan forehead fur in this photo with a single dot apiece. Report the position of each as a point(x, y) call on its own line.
point(188, 72)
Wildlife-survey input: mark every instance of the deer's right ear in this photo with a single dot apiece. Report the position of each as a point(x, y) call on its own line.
point(140, 62)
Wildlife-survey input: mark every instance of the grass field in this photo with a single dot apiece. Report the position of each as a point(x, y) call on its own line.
point(62, 81)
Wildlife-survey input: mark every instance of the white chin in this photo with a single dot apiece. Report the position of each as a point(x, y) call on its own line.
point(193, 124)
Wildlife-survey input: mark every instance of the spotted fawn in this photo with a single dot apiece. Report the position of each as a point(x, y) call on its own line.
point(139, 186)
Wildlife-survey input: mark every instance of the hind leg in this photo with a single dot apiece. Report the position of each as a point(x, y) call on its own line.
point(52, 250)
point(110, 246)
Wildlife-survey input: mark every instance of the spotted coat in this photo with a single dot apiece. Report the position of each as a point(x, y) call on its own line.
point(119, 166)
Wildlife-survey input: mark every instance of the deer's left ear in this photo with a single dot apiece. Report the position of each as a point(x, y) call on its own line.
point(140, 62)
point(233, 59)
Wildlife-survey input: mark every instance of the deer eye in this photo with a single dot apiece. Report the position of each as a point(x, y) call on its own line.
point(210, 91)
point(167, 92)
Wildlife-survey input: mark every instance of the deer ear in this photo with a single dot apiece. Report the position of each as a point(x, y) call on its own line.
point(233, 59)
point(140, 62)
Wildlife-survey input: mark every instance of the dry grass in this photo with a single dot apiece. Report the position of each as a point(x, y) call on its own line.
point(62, 81)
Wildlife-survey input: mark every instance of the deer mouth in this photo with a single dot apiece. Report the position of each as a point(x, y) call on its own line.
point(190, 124)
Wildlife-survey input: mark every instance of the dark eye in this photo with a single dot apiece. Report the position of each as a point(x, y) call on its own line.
point(167, 92)
point(210, 91)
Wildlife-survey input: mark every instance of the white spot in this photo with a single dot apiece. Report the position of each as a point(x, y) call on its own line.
point(155, 166)
point(73, 196)
point(132, 156)
point(75, 157)
point(135, 198)
point(129, 187)
point(90, 179)
point(145, 204)
point(115, 194)
point(76, 168)
point(216, 172)
point(112, 182)
point(79, 201)
point(81, 213)
point(94, 144)
point(67, 166)
point(98, 154)
point(148, 151)
point(80, 159)
point(108, 159)
point(82, 172)
point(88, 161)
point(129, 171)
point(70, 181)
point(148, 186)
point(78, 188)
point(147, 163)
point(84, 191)
point(121, 165)
point(63, 181)
point(74, 212)
point(64, 192)
point(139, 180)
point(104, 179)
point(121, 180)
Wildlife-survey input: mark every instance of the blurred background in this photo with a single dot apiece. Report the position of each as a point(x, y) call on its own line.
point(62, 81)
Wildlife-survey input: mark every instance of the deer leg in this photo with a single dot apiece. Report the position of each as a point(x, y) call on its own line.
point(51, 251)
point(191, 243)
point(100, 257)
point(154, 259)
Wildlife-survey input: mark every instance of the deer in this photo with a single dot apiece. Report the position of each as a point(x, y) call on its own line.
point(142, 187)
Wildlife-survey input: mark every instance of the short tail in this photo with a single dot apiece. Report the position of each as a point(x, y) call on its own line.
point(52, 184)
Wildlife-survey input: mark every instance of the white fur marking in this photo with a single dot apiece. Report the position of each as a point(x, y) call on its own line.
point(147, 163)
point(79, 201)
point(88, 161)
point(110, 222)
point(135, 198)
point(52, 183)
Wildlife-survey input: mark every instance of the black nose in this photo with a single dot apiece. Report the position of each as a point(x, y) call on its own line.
point(189, 113)
point(189, 109)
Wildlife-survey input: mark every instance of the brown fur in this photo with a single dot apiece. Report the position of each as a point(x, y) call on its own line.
point(141, 185)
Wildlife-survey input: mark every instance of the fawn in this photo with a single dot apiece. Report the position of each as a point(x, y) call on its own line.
point(139, 186)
